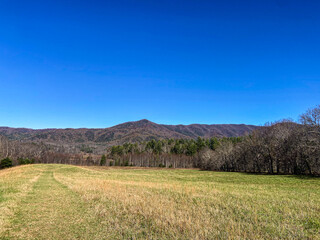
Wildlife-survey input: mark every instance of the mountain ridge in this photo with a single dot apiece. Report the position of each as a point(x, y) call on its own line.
point(133, 131)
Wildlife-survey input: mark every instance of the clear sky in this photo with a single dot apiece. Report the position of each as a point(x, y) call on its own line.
point(100, 63)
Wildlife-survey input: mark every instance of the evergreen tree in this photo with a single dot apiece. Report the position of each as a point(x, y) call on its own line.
point(103, 160)
point(6, 163)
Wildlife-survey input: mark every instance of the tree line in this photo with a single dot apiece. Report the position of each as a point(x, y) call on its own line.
point(172, 153)
point(18, 153)
point(283, 147)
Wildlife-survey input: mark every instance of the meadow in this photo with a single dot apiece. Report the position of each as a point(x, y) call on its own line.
point(70, 202)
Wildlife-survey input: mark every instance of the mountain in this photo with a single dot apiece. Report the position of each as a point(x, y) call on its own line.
point(126, 132)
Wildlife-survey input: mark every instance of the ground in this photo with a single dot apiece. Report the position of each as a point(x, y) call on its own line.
point(71, 202)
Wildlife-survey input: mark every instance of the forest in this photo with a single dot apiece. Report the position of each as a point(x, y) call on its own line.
point(282, 147)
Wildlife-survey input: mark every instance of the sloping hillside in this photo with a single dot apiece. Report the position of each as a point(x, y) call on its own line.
point(126, 132)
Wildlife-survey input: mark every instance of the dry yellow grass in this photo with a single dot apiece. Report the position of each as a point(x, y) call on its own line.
point(69, 202)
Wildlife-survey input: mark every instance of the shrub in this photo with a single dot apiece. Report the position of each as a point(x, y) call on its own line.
point(6, 163)
point(22, 161)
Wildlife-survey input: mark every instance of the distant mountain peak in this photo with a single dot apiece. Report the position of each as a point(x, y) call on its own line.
point(144, 121)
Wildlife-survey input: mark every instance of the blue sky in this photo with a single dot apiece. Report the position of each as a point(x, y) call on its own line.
point(100, 63)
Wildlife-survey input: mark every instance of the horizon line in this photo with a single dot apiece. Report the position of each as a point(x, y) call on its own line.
point(133, 121)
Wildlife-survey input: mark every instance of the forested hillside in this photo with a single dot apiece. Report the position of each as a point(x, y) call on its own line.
point(142, 130)
point(283, 147)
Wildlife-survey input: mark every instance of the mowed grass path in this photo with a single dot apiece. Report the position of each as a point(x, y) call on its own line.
point(70, 202)
point(52, 211)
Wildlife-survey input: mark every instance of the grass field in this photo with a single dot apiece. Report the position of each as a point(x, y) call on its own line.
point(69, 202)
